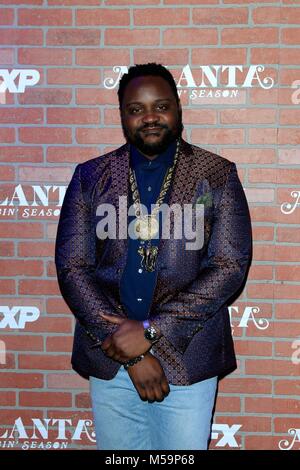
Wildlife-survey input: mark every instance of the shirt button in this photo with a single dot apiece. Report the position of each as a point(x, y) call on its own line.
point(140, 270)
point(149, 188)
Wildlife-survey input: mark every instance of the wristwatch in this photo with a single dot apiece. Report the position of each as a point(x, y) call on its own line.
point(150, 332)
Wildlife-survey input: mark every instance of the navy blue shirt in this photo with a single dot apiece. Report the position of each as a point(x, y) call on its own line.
point(137, 284)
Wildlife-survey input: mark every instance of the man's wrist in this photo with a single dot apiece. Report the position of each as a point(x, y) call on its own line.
point(133, 361)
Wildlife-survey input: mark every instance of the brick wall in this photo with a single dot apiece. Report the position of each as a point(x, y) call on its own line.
point(69, 116)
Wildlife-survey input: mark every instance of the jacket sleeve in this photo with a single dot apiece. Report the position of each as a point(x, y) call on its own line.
point(228, 255)
point(75, 259)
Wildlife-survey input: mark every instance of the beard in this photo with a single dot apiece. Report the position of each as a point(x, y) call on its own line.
point(154, 148)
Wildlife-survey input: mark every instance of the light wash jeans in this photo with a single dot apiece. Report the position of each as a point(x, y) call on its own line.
point(123, 421)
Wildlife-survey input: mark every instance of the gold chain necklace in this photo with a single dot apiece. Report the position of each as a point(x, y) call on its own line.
point(146, 227)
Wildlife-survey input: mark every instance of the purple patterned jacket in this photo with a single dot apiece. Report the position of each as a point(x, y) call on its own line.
point(193, 288)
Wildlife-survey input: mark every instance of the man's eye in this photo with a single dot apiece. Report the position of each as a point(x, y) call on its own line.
point(134, 110)
point(162, 106)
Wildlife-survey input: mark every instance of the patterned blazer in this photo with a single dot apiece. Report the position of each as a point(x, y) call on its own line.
point(193, 287)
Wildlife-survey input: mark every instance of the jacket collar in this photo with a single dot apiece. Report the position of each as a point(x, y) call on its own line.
point(164, 159)
point(182, 177)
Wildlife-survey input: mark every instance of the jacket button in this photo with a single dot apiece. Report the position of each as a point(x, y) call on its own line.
point(118, 270)
point(119, 306)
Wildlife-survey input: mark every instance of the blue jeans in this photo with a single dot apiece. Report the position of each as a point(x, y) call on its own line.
point(123, 421)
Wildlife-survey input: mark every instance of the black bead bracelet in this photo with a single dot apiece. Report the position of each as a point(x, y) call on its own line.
point(133, 361)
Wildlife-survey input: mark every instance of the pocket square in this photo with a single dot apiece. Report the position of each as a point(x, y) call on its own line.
point(205, 199)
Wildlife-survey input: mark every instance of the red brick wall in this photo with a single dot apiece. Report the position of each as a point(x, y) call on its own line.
point(69, 117)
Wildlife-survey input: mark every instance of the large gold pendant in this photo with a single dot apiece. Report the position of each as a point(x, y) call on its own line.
point(149, 256)
point(146, 227)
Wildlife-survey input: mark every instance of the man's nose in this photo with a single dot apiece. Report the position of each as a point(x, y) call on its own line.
point(150, 117)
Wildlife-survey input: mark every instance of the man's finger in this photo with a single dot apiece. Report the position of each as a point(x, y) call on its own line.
point(110, 351)
point(165, 387)
point(159, 393)
point(112, 318)
point(141, 391)
point(106, 343)
point(150, 394)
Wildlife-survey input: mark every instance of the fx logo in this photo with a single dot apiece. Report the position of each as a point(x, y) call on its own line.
point(9, 82)
point(227, 432)
point(11, 319)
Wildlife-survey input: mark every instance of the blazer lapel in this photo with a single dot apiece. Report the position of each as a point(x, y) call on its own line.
point(120, 172)
point(182, 192)
point(182, 187)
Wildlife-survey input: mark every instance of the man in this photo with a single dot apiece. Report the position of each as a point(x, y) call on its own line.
point(153, 332)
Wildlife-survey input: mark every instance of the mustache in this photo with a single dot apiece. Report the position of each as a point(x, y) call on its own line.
point(151, 126)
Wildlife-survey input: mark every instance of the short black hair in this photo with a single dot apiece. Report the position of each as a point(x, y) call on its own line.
point(141, 70)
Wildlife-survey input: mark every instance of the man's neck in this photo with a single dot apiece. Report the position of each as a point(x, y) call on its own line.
point(153, 157)
point(150, 157)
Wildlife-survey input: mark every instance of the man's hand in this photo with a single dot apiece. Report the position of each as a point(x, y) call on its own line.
point(149, 379)
point(127, 342)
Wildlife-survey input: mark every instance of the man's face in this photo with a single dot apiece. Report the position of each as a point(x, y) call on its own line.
point(151, 118)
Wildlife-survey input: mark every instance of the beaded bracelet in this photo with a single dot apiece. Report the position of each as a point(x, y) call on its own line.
point(133, 361)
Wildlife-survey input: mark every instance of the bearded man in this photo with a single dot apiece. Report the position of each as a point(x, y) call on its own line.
point(153, 332)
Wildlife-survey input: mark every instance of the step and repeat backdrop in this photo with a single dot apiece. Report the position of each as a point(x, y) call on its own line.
point(237, 68)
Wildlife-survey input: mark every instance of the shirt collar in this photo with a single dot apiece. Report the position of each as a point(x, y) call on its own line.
point(165, 158)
